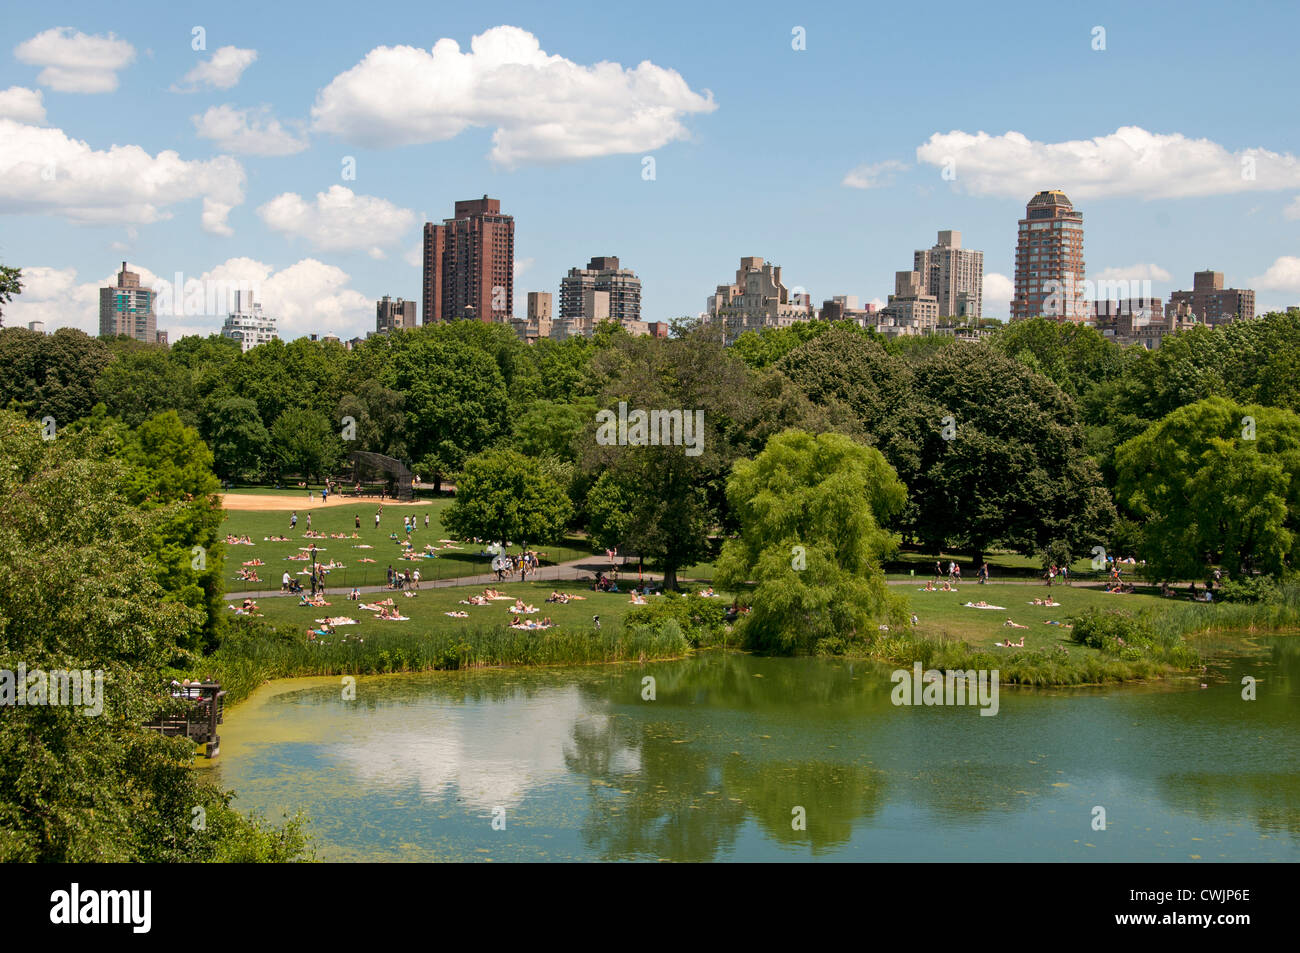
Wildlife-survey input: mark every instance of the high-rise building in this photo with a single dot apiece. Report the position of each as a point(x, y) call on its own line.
point(127, 309)
point(392, 314)
point(954, 275)
point(602, 274)
point(1049, 260)
point(911, 305)
point(247, 323)
point(1211, 303)
point(469, 263)
point(756, 300)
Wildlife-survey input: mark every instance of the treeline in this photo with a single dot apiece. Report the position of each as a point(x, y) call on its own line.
point(1039, 440)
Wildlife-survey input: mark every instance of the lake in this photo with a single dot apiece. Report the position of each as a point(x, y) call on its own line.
point(754, 759)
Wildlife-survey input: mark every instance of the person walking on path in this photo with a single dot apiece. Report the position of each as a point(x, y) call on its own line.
point(293, 520)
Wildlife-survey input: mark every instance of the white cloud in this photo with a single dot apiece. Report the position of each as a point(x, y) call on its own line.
point(22, 105)
point(414, 256)
point(1282, 275)
point(1292, 211)
point(339, 219)
point(309, 297)
point(877, 302)
point(522, 265)
point(247, 131)
point(1129, 161)
point(1133, 273)
point(998, 292)
point(543, 107)
point(222, 71)
point(43, 171)
point(306, 297)
point(873, 175)
point(74, 62)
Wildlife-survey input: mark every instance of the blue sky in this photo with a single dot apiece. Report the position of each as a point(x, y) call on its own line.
point(757, 146)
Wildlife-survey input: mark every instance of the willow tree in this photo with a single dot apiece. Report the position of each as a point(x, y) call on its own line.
point(812, 513)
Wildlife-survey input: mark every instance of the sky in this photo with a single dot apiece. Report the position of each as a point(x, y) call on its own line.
point(300, 147)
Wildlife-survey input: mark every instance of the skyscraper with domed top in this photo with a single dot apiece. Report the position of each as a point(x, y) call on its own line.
point(1049, 260)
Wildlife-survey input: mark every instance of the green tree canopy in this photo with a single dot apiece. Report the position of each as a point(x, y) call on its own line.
point(1215, 482)
point(504, 496)
point(812, 511)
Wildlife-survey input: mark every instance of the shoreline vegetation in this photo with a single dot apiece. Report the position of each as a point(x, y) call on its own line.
point(1155, 642)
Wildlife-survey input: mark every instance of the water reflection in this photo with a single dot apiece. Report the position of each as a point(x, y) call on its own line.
point(733, 749)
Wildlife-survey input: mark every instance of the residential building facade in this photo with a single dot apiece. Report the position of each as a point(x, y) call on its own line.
point(1050, 268)
point(1211, 303)
point(953, 275)
point(755, 300)
point(247, 323)
point(604, 274)
point(127, 308)
point(394, 314)
point(469, 264)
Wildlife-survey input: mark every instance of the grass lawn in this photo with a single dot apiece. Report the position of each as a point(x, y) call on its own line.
point(944, 613)
point(449, 563)
point(427, 607)
point(1007, 564)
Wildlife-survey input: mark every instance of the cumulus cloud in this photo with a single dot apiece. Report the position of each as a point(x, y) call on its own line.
point(43, 171)
point(1282, 275)
point(74, 62)
point(252, 131)
point(1137, 272)
point(1292, 211)
point(221, 71)
point(339, 220)
point(521, 265)
point(543, 107)
point(998, 292)
point(1129, 161)
point(873, 175)
point(22, 105)
point(307, 297)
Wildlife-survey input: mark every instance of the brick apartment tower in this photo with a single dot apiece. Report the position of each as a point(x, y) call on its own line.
point(1049, 260)
point(469, 263)
point(127, 308)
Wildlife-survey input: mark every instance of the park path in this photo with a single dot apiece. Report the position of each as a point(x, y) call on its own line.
point(557, 571)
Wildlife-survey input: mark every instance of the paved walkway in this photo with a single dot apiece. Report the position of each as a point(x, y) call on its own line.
point(558, 571)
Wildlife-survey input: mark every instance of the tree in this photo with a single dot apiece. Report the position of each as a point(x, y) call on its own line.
point(79, 591)
point(1000, 459)
point(50, 375)
point(240, 442)
point(304, 443)
point(504, 496)
point(11, 283)
point(1215, 482)
point(142, 381)
point(457, 403)
point(676, 497)
point(812, 511)
point(171, 472)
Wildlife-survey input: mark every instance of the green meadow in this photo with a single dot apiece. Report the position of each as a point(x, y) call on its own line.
point(459, 560)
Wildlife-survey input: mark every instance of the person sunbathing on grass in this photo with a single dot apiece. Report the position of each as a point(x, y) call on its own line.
point(254, 562)
point(929, 587)
point(457, 615)
point(637, 600)
point(1066, 625)
point(1008, 644)
point(1015, 625)
point(547, 623)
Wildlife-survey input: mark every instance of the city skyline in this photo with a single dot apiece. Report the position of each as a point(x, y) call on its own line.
point(263, 125)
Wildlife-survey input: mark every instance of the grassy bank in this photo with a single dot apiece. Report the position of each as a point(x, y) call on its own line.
point(254, 653)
